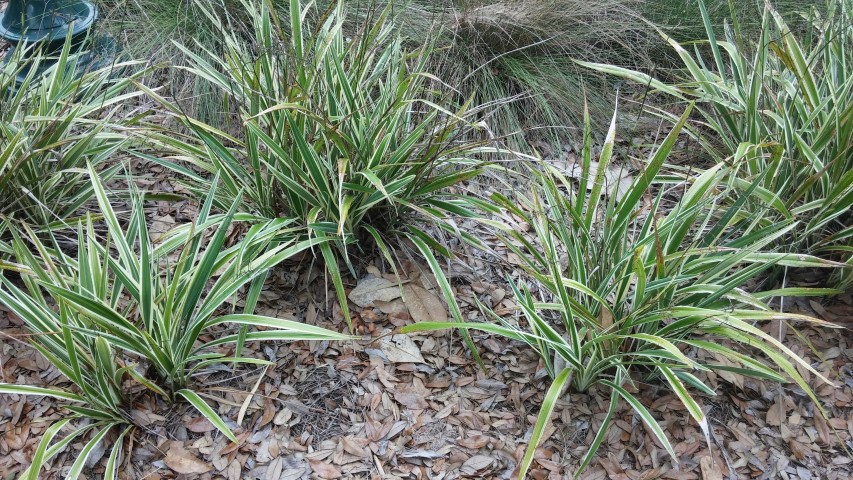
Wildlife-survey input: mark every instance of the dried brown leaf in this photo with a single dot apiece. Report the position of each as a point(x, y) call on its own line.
point(234, 470)
point(355, 446)
point(269, 413)
point(199, 425)
point(423, 305)
point(822, 428)
point(16, 437)
point(181, 460)
point(394, 306)
point(411, 400)
point(476, 442)
point(476, 464)
point(370, 289)
point(776, 413)
point(710, 470)
point(400, 349)
point(325, 470)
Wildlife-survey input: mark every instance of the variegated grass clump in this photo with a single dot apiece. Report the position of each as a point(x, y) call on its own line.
point(513, 56)
point(50, 127)
point(348, 136)
point(344, 134)
point(627, 290)
point(780, 113)
point(124, 314)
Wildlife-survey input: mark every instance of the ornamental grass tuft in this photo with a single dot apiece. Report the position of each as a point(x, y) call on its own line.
point(619, 292)
point(126, 315)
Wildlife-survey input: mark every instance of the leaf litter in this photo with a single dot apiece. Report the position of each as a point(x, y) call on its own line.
point(393, 406)
point(424, 410)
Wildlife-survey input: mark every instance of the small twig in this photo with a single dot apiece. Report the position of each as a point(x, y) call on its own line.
point(249, 398)
point(724, 453)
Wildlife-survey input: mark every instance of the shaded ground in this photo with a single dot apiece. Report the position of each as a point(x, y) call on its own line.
point(386, 407)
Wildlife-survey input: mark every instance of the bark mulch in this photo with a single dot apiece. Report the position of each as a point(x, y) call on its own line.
point(391, 406)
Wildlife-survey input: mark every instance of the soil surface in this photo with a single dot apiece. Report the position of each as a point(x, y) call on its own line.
point(392, 406)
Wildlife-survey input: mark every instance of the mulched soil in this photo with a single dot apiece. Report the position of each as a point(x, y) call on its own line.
point(389, 406)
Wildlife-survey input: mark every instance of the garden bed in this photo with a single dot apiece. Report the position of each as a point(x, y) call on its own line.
point(336, 268)
point(388, 407)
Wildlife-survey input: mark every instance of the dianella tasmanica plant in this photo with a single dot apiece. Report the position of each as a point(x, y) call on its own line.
point(340, 133)
point(618, 289)
point(780, 116)
point(345, 135)
point(123, 311)
point(51, 125)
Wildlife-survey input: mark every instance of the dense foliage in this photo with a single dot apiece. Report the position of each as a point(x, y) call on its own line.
point(124, 294)
point(780, 117)
point(50, 128)
point(354, 130)
point(626, 288)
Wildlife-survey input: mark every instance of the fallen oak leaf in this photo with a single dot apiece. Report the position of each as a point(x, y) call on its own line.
point(371, 289)
point(476, 442)
point(234, 446)
point(475, 465)
point(423, 305)
point(710, 470)
point(394, 306)
point(411, 400)
point(822, 429)
point(16, 436)
point(400, 349)
point(324, 470)
point(199, 425)
point(425, 454)
point(355, 446)
point(412, 397)
point(776, 413)
point(182, 461)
